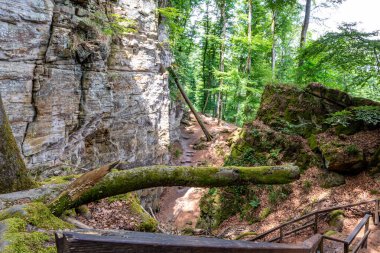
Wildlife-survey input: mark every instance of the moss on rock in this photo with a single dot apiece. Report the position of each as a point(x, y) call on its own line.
point(335, 220)
point(290, 109)
point(35, 214)
point(259, 144)
point(59, 179)
point(29, 229)
point(17, 239)
point(147, 223)
point(328, 179)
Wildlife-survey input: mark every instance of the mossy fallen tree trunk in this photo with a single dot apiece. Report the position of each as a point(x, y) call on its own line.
point(13, 172)
point(107, 181)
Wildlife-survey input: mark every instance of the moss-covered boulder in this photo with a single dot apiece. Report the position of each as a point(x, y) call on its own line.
point(349, 153)
point(329, 179)
point(341, 130)
point(290, 109)
point(259, 144)
point(29, 229)
point(16, 239)
point(307, 111)
point(13, 172)
point(336, 220)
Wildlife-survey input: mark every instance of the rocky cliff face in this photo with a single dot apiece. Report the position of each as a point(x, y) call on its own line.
point(78, 97)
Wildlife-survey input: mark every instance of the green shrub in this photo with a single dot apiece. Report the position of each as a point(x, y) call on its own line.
point(340, 118)
point(369, 115)
point(307, 185)
point(278, 193)
point(255, 202)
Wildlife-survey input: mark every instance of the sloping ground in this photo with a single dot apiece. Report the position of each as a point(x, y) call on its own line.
point(373, 241)
point(304, 199)
point(333, 137)
point(230, 212)
point(179, 206)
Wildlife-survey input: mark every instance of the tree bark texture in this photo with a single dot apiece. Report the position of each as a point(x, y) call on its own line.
point(13, 172)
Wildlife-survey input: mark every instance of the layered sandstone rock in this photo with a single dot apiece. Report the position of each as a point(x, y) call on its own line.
point(77, 97)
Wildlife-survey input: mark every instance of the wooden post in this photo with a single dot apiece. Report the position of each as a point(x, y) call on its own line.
point(316, 223)
point(281, 233)
point(346, 246)
point(377, 207)
point(365, 230)
point(320, 246)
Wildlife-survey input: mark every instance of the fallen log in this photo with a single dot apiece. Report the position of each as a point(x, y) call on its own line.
point(107, 181)
point(209, 137)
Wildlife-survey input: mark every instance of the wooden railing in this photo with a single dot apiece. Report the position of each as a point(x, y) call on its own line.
point(93, 241)
point(96, 241)
point(311, 220)
point(349, 240)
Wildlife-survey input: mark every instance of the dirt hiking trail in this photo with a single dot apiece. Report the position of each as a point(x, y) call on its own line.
point(179, 206)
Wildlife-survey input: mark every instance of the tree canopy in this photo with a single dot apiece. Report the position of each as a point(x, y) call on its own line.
point(226, 51)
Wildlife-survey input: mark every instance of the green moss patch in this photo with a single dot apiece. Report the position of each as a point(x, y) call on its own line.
point(335, 214)
point(148, 223)
point(25, 242)
point(264, 213)
point(35, 214)
point(330, 233)
point(59, 179)
point(18, 240)
point(260, 145)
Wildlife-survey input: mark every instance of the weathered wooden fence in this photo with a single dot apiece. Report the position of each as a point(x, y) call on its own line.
point(350, 239)
point(311, 221)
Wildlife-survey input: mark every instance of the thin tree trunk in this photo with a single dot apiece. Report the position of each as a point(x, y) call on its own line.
point(206, 102)
point(249, 58)
point(206, 85)
point(237, 110)
point(107, 181)
point(222, 51)
point(220, 107)
point(13, 172)
point(209, 80)
point(305, 25)
point(273, 46)
point(200, 122)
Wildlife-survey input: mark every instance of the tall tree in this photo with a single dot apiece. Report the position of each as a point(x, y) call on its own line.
point(223, 22)
point(205, 75)
point(274, 14)
point(305, 24)
point(249, 57)
point(13, 172)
